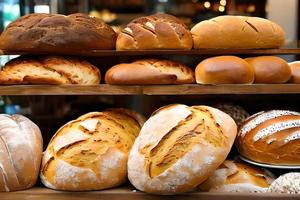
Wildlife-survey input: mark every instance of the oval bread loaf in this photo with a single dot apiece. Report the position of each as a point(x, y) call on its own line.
point(179, 147)
point(295, 67)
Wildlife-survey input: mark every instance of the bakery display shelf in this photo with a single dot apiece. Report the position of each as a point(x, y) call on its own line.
point(98, 53)
point(125, 193)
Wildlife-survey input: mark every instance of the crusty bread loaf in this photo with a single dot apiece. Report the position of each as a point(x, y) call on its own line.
point(270, 69)
point(57, 33)
point(271, 137)
point(224, 70)
point(286, 184)
point(21, 147)
point(159, 31)
point(90, 153)
point(49, 70)
point(240, 32)
point(295, 67)
point(238, 113)
point(234, 176)
point(149, 71)
point(179, 147)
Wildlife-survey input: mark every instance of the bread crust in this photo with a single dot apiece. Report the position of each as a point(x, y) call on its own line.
point(295, 67)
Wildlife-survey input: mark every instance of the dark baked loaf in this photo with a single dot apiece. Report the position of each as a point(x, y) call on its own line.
point(46, 32)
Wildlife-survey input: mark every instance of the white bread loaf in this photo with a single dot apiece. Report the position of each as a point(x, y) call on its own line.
point(179, 147)
point(21, 147)
point(286, 184)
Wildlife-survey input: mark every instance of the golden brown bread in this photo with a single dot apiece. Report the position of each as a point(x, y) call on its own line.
point(270, 69)
point(90, 153)
point(271, 137)
point(49, 70)
point(295, 67)
point(159, 31)
point(21, 147)
point(179, 147)
point(224, 70)
point(149, 71)
point(240, 32)
point(57, 33)
point(234, 176)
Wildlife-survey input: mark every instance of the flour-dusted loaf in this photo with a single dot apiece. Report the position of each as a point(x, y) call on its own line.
point(90, 153)
point(286, 184)
point(235, 176)
point(49, 70)
point(224, 70)
point(240, 32)
point(270, 69)
point(21, 147)
point(295, 67)
point(57, 33)
point(149, 71)
point(179, 147)
point(271, 137)
point(159, 31)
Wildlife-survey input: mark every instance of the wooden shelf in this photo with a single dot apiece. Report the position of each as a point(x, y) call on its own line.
point(190, 89)
point(194, 52)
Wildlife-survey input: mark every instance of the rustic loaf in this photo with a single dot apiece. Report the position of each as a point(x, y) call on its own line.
point(159, 31)
point(149, 71)
point(295, 67)
point(21, 147)
point(49, 70)
point(57, 33)
point(179, 147)
point(90, 153)
point(271, 137)
point(240, 32)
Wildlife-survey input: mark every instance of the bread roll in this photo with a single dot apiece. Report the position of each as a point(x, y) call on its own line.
point(57, 33)
point(179, 147)
point(240, 32)
point(159, 31)
point(270, 69)
point(21, 147)
point(49, 70)
point(295, 67)
point(224, 70)
point(286, 184)
point(149, 71)
point(271, 137)
point(233, 176)
point(90, 153)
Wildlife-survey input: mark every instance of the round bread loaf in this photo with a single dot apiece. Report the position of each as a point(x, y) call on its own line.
point(270, 69)
point(224, 70)
point(159, 31)
point(21, 147)
point(241, 32)
point(149, 71)
point(179, 147)
point(90, 153)
point(57, 33)
point(286, 184)
point(271, 137)
point(233, 176)
point(295, 67)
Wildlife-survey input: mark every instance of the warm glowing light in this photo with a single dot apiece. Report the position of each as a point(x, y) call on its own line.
point(207, 4)
point(221, 8)
point(251, 8)
point(223, 2)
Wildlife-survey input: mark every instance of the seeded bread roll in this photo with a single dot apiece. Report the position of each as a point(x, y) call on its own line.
point(159, 31)
point(271, 137)
point(295, 67)
point(90, 153)
point(57, 33)
point(149, 71)
point(179, 147)
point(237, 32)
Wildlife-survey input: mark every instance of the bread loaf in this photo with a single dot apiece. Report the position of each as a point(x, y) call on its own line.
point(270, 69)
point(149, 71)
point(57, 33)
point(21, 147)
point(90, 153)
point(49, 70)
point(286, 184)
point(179, 147)
point(240, 32)
point(234, 176)
point(224, 70)
point(159, 31)
point(238, 113)
point(271, 137)
point(295, 67)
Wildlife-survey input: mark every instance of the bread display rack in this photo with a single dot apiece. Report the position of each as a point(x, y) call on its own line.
point(128, 192)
